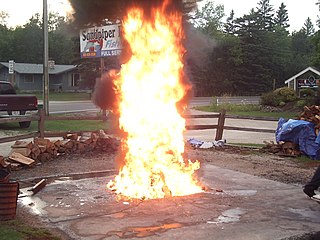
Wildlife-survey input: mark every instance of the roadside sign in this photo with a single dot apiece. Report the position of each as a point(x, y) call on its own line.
point(11, 66)
point(101, 41)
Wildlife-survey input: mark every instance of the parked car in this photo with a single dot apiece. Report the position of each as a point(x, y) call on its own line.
point(16, 104)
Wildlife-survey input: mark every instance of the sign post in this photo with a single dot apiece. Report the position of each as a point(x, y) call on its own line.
point(11, 71)
point(101, 41)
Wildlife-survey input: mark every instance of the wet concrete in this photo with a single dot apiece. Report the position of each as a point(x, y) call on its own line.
point(247, 208)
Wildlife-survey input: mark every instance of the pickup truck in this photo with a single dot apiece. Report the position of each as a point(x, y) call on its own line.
point(15, 104)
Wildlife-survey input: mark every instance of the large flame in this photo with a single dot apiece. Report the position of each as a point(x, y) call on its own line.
point(149, 88)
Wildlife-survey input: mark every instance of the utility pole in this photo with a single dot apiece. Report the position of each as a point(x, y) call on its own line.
point(45, 59)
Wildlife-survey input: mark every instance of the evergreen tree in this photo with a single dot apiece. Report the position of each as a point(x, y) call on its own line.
point(265, 13)
point(308, 27)
point(230, 26)
point(209, 19)
point(282, 18)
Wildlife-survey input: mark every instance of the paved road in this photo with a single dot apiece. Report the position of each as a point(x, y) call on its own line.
point(74, 106)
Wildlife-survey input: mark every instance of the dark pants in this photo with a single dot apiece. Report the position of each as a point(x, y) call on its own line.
point(314, 183)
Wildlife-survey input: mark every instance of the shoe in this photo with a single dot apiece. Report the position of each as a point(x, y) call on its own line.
point(316, 198)
point(309, 192)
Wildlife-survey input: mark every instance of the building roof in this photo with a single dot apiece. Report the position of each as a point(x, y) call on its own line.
point(31, 68)
point(312, 69)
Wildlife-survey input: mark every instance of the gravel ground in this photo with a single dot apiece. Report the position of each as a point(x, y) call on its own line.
point(251, 161)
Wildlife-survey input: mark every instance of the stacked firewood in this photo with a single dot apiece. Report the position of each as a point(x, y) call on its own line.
point(27, 153)
point(289, 149)
point(311, 114)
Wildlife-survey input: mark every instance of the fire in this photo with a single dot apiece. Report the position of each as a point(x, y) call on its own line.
point(149, 88)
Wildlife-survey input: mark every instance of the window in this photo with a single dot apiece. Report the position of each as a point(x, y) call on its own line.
point(28, 78)
point(75, 80)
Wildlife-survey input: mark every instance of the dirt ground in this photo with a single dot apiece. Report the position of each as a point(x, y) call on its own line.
point(251, 161)
point(247, 160)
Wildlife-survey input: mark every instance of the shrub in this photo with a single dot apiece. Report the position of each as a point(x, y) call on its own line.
point(278, 97)
point(286, 94)
point(307, 92)
point(270, 99)
point(301, 103)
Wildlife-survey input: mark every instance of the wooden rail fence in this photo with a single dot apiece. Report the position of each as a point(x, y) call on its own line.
point(41, 118)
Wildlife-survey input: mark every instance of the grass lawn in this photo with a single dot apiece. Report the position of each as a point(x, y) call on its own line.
point(63, 96)
point(247, 111)
point(62, 126)
point(18, 230)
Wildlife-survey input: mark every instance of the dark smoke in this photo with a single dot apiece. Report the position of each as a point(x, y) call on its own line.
point(104, 95)
point(90, 12)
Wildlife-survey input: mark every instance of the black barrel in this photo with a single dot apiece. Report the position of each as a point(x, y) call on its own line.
point(8, 200)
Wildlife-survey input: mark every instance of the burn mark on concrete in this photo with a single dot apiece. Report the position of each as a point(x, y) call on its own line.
point(147, 231)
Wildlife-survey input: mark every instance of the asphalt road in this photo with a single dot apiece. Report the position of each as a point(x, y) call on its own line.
point(231, 136)
point(56, 107)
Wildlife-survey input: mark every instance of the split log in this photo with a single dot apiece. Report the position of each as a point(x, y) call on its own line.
point(22, 144)
point(17, 157)
point(42, 141)
point(72, 136)
point(24, 151)
point(3, 162)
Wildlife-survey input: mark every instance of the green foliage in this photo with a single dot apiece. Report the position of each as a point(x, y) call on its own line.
point(286, 94)
point(278, 97)
point(244, 110)
point(301, 103)
point(24, 44)
point(18, 230)
point(234, 107)
point(209, 18)
point(307, 92)
point(270, 99)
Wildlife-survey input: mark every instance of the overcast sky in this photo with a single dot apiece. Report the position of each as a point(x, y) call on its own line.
point(298, 10)
point(20, 11)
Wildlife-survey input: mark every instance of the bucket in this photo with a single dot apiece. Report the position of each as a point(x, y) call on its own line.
point(8, 200)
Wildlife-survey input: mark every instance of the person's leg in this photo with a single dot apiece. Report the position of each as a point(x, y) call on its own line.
point(314, 184)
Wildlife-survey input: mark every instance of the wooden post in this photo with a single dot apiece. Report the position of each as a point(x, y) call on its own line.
point(220, 127)
point(41, 113)
point(104, 111)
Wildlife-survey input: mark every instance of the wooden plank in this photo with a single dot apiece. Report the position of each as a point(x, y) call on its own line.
point(23, 118)
point(19, 137)
point(17, 157)
point(249, 129)
point(201, 127)
point(221, 120)
point(36, 188)
point(202, 116)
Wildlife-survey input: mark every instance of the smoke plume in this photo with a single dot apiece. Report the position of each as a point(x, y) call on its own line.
point(96, 11)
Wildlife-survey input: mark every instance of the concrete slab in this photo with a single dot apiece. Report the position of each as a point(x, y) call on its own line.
point(248, 208)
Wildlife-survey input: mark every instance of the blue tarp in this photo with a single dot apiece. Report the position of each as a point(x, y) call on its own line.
point(301, 133)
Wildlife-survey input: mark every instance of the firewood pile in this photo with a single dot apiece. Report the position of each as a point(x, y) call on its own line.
point(28, 153)
point(285, 149)
point(309, 114)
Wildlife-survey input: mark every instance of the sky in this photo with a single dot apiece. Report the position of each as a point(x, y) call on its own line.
point(298, 10)
point(20, 11)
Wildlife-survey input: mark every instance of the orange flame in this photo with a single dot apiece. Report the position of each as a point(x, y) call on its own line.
point(149, 88)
